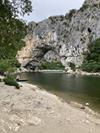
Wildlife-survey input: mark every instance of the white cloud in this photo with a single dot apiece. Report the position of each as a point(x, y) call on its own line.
point(42, 9)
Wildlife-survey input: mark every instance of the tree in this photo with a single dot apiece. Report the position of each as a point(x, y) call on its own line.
point(12, 29)
point(16, 6)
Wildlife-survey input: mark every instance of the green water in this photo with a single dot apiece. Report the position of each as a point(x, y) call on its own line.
point(81, 89)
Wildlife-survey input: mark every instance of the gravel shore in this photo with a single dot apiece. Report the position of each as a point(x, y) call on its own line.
point(31, 110)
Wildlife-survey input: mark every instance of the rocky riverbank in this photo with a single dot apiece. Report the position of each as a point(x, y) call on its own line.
point(76, 72)
point(30, 109)
point(79, 72)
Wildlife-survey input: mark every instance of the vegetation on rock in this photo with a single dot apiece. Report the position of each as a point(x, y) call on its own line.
point(72, 66)
point(92, 59)
point(51, 66)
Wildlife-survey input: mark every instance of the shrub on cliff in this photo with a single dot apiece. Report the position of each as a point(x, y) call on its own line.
point(52, 65)
point(70, 14)
point(92, 60)
point(72, 66)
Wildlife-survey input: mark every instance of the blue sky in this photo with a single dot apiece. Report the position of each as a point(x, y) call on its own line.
point(42, 9)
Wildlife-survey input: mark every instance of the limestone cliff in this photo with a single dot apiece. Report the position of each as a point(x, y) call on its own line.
point(62, 38)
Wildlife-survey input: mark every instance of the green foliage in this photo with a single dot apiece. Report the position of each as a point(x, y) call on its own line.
point(11, 35)
point(3, 67)
point(91, 66)
point(72, 66)
point(84, 7)
point(12, 31)
point(16, 7)
point(8, 65)
point(0, 80)
point(92, 59)
point(70, 14)
point(51, 66)
point(9, 80)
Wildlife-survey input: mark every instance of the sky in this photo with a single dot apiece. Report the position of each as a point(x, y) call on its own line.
point(43, 9)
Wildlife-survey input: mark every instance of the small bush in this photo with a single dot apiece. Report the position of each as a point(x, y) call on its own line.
point(84, 7)
point(70, 14)
point(3, 67)
point(52, 65)
point(91, 67)
point(8, 65)
point(15, 63)
point(72, 66)
point(0, 80)
point(9, 80)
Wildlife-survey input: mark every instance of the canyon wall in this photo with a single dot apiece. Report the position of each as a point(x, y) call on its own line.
point(62, 38)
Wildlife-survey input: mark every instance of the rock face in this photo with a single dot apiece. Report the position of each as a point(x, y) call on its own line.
point(63, 38)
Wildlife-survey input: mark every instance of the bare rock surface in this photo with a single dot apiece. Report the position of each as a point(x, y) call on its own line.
point(62, 38)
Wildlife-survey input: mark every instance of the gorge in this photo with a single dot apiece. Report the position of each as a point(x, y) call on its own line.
point(62, 39)
point(41, 90)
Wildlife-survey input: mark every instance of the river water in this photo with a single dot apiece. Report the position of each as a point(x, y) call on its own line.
point(81, 89)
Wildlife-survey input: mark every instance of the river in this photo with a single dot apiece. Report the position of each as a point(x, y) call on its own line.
point(81, 89)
